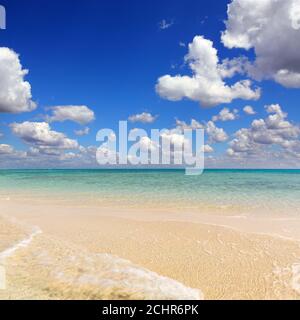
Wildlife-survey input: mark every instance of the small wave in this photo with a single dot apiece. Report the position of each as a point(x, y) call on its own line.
point(117, 278)
point(22, 244)
point(75, 273)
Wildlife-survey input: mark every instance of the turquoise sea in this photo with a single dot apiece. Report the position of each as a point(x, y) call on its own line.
point(266, 190)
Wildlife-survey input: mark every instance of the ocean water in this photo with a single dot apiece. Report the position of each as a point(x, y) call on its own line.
point(265, 191)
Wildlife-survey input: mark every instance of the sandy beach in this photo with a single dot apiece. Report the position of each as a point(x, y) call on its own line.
point(91, 252)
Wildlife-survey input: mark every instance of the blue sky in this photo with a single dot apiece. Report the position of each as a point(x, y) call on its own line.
point(109, 55)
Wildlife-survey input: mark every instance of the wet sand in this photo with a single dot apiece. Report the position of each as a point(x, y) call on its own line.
point(94, 252)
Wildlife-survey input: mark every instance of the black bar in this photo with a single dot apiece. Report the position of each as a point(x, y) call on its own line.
point(144, 309)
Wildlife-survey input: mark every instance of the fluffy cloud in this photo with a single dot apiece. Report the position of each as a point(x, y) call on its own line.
point(207, 148)
point(194, 124)
point(15, 92)
point(226, 115)
point(274, 130)
point(206, 85)
point(144, 117)
point(230, 67)
point(39, 134)
point(79, 114)
point(41, 156)
point(82, 132)
point(272, 28)
point(8, 153)
point(55, 158)
point(215, 134)
point(6, 149)
point(249, 110)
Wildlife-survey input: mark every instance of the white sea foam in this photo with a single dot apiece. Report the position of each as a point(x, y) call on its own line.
point(119, 278)
point(87, 275)
point(19, 245)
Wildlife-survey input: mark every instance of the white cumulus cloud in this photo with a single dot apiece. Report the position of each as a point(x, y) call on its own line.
point(82, 132)
point(40, 134)
point(215, 133)
point(6, 149)
point(144, 117)
point(15, 92)
point(79, 114)
point(206, 85)
point(207, 148)
point(8, 153)
point(194, 124)
point(274, 130)
point(226, 115)
point(249, 110)
point(272, 29)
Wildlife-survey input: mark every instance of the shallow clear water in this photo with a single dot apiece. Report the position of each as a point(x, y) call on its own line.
point(277, 190)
